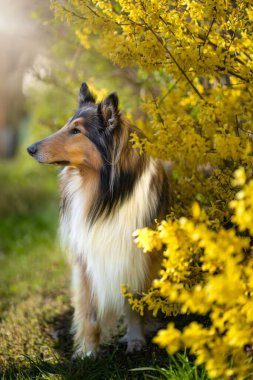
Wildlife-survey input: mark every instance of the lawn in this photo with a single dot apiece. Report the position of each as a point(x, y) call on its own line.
point(35, 310)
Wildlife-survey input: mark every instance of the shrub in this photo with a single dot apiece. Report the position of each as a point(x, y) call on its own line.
point(193, 60)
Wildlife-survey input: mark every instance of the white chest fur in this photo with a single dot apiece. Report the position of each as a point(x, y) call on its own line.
point(107, 248)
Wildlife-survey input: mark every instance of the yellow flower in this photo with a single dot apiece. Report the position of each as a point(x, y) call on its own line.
point(239, 177)
point(169, 339)
point(195, 210)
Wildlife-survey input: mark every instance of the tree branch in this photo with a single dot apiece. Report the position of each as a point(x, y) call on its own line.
point(175, 61)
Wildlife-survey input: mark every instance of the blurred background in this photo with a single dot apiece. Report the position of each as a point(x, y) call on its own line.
point(28, 194)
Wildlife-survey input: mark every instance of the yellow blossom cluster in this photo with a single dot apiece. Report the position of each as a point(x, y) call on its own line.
point(193, 63)
point(222, 263)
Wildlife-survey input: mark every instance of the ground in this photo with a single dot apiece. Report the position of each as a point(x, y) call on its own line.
point(35, 310)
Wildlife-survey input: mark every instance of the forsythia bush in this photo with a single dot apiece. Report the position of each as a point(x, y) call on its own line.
point(194, 61)
point(221, 284)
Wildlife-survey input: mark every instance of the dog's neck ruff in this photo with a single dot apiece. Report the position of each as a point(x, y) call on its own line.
point(106, 247)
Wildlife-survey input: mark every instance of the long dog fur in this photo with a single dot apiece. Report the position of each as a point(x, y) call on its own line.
point(108, 190)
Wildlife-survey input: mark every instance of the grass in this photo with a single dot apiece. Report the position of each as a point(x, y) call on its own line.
point(35, 311)
point(29, 256)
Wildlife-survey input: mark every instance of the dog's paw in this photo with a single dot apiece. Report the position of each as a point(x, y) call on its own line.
point(123, 339)
point(134, 345)
point(82, 354)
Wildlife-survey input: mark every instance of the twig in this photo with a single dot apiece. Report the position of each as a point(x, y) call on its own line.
point(73, 13)
point(169, 91)
point(209, 31)
point(175, 61)
point(237, 126)
point(78, 15)
point(237, 76)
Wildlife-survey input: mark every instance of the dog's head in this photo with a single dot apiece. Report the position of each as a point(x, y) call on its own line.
point(85, 139)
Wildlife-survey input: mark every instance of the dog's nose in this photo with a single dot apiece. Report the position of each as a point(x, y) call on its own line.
point(32, 149)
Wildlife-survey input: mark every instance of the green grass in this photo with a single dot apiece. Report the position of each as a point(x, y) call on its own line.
point(113, 364)
point(35, 311)
point(29, 256)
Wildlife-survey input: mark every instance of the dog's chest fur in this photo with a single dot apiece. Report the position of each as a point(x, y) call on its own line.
point(106, 247)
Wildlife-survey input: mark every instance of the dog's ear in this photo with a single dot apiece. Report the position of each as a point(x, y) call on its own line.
point(85, 95)
point(108, 111)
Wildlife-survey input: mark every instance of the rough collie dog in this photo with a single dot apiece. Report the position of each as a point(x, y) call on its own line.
point(108, 190)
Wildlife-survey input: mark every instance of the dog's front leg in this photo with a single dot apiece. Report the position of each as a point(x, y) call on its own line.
point(135, 331)
point(85, 326)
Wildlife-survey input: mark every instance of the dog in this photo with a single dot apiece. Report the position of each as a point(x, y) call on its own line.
point(108, 190)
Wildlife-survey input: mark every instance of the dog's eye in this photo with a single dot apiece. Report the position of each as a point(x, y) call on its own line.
point(75, 131)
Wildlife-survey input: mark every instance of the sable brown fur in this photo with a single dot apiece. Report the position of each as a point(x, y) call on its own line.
point(108, 190)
